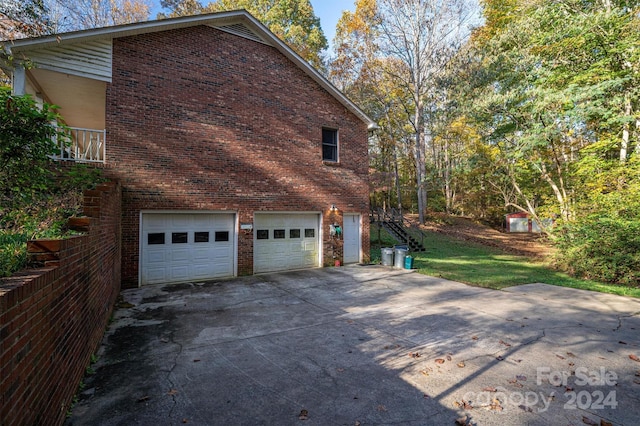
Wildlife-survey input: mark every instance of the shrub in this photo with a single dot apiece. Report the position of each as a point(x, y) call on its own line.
point(43, 216)
point(601, 248)
point(13, 253)
point(28, 136)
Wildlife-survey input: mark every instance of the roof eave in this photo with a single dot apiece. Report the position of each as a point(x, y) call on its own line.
point(186, 21)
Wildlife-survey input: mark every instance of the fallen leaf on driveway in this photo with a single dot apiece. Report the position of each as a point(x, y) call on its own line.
point(474, 337)
point(414, 354)
point(426, 371)
point(635, 358)
point(502, 342)
point(172, 392)
point(500, 358)
point(495, 405)
point(586, 420)
point(463, 404)
point(560, 356)
point(304, 415)
point(381, 408)
point(490, 389)
point(525, 408)
point(439, 361)
point(605, 423)
point(461, 421)
point(461, 364)
point(571, 355)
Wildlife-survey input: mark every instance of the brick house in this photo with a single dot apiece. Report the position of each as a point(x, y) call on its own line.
point(235, 155)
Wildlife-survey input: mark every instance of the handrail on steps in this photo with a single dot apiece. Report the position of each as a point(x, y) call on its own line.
point(395, 216)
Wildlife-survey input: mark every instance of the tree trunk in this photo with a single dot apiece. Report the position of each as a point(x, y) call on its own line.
point(638, 136)
point(448, 190)
point(419, 150)
point(397, 176)
point(559, 192)
point(624, 147)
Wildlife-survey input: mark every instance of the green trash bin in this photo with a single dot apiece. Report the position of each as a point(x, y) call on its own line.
point(408, 262)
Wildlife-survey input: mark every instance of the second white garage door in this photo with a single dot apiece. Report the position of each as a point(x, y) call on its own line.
point(285, 241)
point(178, 247)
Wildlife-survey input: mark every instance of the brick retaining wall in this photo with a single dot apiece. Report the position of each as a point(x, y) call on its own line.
point(52, 318)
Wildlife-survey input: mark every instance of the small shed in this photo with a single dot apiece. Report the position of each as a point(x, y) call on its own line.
point(521, 222)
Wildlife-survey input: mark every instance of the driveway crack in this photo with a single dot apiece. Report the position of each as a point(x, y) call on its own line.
point(172, 386)
point(621, 318)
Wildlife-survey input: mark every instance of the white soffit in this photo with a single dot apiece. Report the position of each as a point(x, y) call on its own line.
point(91, 59)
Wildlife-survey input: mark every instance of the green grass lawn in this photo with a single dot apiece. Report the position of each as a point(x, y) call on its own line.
point(484, 266)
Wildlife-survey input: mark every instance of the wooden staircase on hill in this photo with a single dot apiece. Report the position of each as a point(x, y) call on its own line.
point(394, 222)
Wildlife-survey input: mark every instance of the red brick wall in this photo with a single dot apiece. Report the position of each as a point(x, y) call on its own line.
point(199, 119)
point(53, 318)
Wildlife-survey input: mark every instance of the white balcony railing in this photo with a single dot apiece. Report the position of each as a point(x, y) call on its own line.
point(83, 145)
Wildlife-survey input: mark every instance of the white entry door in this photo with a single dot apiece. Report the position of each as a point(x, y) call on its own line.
point(285, 241)
point(351, 235)
point(178, 247)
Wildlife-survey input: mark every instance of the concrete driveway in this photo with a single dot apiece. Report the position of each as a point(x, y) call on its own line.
point(363, 345)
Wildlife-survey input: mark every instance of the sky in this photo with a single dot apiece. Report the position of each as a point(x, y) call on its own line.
point(329, 11)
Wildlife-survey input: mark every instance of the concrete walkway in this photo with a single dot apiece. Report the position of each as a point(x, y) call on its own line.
point(363, 345)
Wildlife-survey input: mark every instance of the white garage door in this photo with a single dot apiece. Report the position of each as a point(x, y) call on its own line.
point(285, 241)
point(178, 247)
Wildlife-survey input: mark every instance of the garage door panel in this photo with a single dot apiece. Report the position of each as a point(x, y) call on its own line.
point(200, 254)
point(189, 250)
point(182, 255)
point(201, 271)
point(180, 273)
point(181, 221)
point(156, 274)
point(155, 257)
